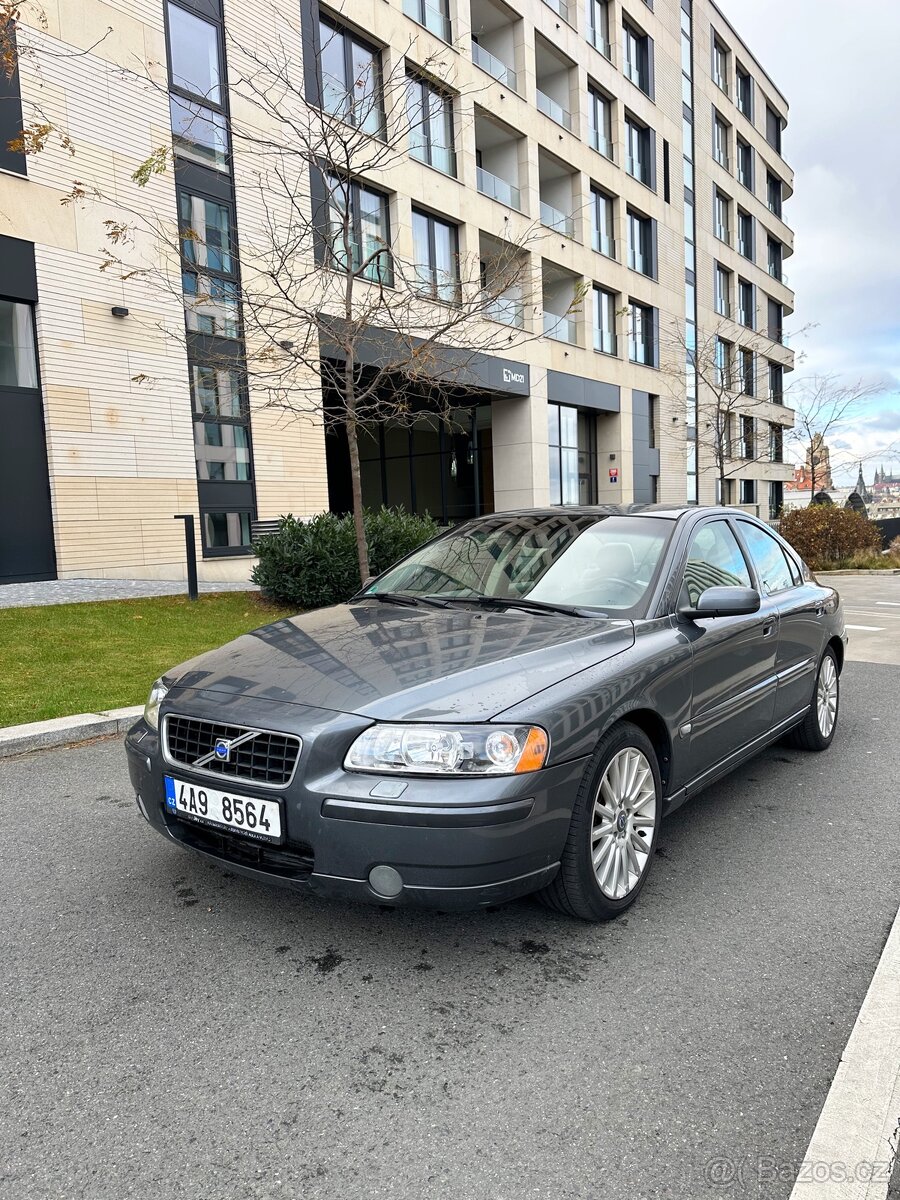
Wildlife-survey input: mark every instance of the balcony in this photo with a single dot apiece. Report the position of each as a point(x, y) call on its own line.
point(431, 15)
point(494, 42)
point(497, 155)
point(561, 291)
point(554, 75)
point(557, 185)
point(504, 278)
point(561, 8)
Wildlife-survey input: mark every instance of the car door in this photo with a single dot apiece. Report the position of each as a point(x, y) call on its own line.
point(801, 613)
point(733, 658)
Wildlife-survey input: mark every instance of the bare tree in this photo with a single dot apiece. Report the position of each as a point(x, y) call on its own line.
point(342, 321)
point(732, 394)
point(824, 405)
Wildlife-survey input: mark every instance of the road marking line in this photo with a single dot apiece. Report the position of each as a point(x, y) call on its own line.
point(855, 1140)
point(868, 628)
point(889, 603)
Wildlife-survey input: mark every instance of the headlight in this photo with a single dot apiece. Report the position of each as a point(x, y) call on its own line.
point(158, 693)
point(449, 749)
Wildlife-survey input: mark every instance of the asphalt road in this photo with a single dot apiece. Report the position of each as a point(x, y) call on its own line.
point(170, 1030)
point(872, 612)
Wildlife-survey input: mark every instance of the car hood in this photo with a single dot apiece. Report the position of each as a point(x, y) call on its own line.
point(393, 663)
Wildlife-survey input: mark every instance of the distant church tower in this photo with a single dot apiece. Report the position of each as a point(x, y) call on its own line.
point(864, 494)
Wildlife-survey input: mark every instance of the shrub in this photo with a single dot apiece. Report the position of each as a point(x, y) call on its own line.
point(311, 564)
point(894, 549)
point(825, 536)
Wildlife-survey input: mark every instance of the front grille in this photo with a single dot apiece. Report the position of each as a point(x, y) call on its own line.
point(260, 756)
point(288, 862)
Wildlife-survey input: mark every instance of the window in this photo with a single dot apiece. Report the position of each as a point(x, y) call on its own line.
point(351, 78)
point(18, 365)
point(746, 304)
point(640, 243)
point(748, 372)
point(722, 216)
point(638, 145)
point(748, 491)
point(776, 321)
point(745, 164)
point(194, 55)
point(715, 559)
point(222, 451)
point(743, 87)
point(642, 334)
point(653, 422)
point(720, 141)
point(204, 226)
point(357, 230)
point(216, 392)
point(211, 305)
point(745, 234)
point(598, 25)
point(636, 54)
point(600, 122)
point(604, 321)
point(198, 133)
point(602, 223)
point(776, 383)
point(748, 437)
point(572, 438)
point(723, 363)
point(430, 115)
point(720, 65)
point(226, 530)
point(10, 105)
point(430, 13)
point(768, 557)
point(776, 443)
point(776, 257)
point(436, 256)
point(776, 504)
point(773, 128)
point(774, 193)
point(722, 290)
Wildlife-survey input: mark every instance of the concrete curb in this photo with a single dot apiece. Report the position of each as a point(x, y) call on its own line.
point(66, 731)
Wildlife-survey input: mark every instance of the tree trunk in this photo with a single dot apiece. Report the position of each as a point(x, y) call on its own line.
point(812, 473)
point(362, 549)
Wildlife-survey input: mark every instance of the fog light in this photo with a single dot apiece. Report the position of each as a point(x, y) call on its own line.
point(385, 881)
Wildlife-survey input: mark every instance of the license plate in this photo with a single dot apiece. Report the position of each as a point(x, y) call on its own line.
point(247, 815)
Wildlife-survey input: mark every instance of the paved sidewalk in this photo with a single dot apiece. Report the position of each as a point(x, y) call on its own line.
point(76, 591)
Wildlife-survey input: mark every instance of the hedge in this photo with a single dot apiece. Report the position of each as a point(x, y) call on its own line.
point(823, 535)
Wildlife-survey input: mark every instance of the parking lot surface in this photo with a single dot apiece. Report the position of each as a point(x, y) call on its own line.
point(872, 611)
point(173, 1031)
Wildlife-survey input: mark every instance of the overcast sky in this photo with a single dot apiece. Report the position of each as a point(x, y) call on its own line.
point(839, 67)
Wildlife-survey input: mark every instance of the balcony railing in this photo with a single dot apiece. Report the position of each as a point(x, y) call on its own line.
point(775, 395)
point(723, 233)
point(637, 168)
point(429, 15)
point(442, 158)
point(605, 341)
point(745, 317)
point(560, 7)
point(722, 159)
point(508, 310)
point(775, 207)
point(602, 144)
point(498, 189)
point(561, 329)
point(494, 66)
point(777, 272)
point(554, 219)
point(554, 110)
point(745, 247)
point(638, 260)
point(599, 42)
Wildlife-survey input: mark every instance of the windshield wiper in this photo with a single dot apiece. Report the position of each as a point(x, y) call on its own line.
point(526, 605)
point(407, 598)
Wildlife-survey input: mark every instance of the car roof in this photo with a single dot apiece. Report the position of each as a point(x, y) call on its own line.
point(669, 512)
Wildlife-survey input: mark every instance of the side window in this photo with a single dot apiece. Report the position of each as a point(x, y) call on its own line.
point(714, 560)
point(768, 558)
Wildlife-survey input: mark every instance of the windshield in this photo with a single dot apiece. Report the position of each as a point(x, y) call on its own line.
point(593, 561)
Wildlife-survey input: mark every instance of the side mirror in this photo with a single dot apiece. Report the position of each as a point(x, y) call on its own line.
point(723, 602)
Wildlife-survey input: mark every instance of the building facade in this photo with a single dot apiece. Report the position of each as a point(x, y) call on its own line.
point(637, 144)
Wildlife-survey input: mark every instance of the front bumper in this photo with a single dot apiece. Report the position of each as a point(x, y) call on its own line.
point(456, 844)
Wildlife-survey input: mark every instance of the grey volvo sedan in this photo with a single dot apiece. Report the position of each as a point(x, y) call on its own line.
point(513, 708)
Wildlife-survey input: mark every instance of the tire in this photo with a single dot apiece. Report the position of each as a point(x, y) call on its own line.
point(811, 735)
point(627, 853)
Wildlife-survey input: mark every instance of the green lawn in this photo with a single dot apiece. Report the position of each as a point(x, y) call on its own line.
point(74, 658)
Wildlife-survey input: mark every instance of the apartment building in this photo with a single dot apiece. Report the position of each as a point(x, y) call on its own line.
point(632, 147)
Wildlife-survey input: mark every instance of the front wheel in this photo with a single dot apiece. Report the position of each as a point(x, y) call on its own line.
point(615, 821)
point(818, 728)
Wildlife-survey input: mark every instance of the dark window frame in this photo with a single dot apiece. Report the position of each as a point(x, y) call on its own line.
point(348, 36)
point(383, 277)
point(413, 75)
point(432, 219)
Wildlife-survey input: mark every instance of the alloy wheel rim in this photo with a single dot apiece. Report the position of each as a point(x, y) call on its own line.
point(623, 822)
point(827, 696)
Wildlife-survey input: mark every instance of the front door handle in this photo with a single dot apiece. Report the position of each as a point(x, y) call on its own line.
point(768, 628)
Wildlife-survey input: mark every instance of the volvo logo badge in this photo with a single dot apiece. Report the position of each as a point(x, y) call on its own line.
point(223, 750)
